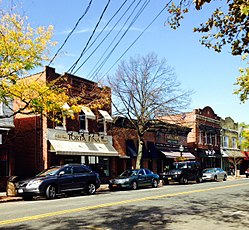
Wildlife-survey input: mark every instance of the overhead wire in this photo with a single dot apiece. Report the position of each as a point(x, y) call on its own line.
point(94, 72)
point(138, 37)
point(111, 30)
point(71, 32)
point(70, 70)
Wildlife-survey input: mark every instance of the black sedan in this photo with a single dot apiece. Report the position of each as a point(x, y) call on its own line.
point(135, 178)
point(59, 179)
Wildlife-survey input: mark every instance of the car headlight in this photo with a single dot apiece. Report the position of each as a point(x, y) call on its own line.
point(34, 184)
point(126, 180)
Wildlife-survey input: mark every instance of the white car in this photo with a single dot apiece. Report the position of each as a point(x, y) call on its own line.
point(214, 174)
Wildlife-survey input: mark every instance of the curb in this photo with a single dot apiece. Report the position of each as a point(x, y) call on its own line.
point(5, 198)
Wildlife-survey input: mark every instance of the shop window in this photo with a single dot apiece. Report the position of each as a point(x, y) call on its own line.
point(3, 168)
point(98, 164)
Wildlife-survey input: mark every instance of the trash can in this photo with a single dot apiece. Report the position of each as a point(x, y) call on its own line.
point(11, 186)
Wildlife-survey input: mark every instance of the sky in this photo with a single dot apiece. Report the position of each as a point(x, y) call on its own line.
point(210, 75)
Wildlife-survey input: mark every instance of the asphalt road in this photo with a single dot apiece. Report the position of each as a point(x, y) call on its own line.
point(210, 205)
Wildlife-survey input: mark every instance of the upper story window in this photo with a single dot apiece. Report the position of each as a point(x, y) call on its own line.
point(234, 143)
point(225, 141)
point(1, 108)
point(200, 137)
point(83, 118)
point(60, 121)
point(215, 140)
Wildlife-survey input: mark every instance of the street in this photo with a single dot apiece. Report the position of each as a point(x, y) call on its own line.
point(208, 205)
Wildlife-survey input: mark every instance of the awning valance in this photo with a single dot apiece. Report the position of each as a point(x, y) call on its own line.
point(170, 154)
point(232, 153)
point(81, 148)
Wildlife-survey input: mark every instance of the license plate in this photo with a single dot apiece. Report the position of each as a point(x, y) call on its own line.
point(20, 190)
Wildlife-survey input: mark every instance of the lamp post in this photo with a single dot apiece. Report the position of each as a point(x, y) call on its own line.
point(181, 148)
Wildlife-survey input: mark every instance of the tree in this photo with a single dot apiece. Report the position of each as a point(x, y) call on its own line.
point(143, 89)
point(22, 49)
point(227, 25)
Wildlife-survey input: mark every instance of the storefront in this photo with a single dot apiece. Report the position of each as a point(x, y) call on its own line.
point(210, 158)
point(94, 150)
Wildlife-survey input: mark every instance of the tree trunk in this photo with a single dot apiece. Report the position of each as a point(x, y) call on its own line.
point(139, 154)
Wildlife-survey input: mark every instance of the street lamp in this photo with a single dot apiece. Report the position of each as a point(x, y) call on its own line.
point(181, 148)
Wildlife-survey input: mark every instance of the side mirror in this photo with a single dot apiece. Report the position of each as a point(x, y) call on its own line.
point(61, 173)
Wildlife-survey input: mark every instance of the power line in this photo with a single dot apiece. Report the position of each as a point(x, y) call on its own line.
point(107, 33)
point(139, 36)
point(76, 62)
point(69, 35)
point(109, 54)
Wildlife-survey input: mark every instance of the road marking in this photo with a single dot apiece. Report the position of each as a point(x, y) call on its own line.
point(62, 212)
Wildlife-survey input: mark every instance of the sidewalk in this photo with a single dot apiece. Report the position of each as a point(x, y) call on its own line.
point(5, 198)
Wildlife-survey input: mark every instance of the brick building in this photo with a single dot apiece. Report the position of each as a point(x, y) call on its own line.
point(40, 142)
point(204, 138)
point(160, 145)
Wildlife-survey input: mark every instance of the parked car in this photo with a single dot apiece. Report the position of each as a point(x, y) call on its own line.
point(135, 178)
point(182, 172)
point(215, 174)
point(247, 173)
point(59, 179)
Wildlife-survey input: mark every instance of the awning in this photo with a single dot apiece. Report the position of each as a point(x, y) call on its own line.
point(170, 154)
point(107, 117)
point(80, 148)
point(232, 153)
point(88, 112)
point(131, 150)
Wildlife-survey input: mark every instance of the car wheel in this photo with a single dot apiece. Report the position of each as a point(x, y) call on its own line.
point(215, 178)
point(184, 180)
point(199, 179)
point(225, 178)
point(247, 175)
point(134, 185)
point(91, 189)
point(165, 182)
point(28, 198)
point(154, 183)
point(50, 192)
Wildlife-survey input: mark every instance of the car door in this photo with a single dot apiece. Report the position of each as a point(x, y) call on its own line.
point(141, 178)
point(65, 179)
point(149, 176)
point(82, 176)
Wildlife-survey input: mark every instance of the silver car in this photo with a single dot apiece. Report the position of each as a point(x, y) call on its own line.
point(214, 174)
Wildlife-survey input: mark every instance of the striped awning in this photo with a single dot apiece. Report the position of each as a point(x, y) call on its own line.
point(170, 154)
point(81, 148)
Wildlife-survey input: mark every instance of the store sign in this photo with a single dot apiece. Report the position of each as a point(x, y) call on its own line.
point(76, 137)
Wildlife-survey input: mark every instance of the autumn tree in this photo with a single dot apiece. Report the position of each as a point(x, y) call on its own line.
point(227, 25)
point(22, 49)
point(143, 89)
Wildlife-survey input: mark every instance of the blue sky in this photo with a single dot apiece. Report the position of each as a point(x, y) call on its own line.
point(209, 74)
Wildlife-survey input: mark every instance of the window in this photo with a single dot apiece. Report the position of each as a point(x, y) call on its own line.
point(225, 141)
point(206, 138)
point(215, 140)
point(148, 172)
point(3, 168)
point(80, 169)
point(141, 172)
point(1, 108)
point(234, 143)
point(82, 121)
point(60, 121)
point(200, 137)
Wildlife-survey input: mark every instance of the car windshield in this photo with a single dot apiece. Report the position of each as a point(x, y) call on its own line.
point(129, 173)
point(49, 172)
point(181, 165)
point(208, 171)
